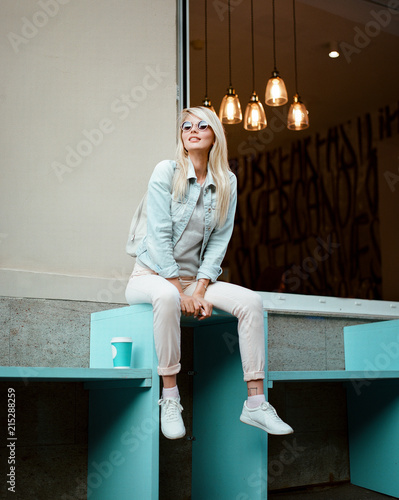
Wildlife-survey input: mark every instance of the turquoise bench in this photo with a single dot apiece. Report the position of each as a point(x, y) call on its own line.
point(226, 453)
point(124, 412)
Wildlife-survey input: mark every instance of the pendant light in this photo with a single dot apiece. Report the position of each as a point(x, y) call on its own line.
point(255, 117)
point(206, 102)
point(276, 92)
point(298, 116)
point(230, 108)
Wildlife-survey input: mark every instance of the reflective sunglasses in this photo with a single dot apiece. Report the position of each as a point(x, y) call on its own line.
point(187, 126)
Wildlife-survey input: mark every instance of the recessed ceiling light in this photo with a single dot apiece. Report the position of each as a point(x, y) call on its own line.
point(333, 51)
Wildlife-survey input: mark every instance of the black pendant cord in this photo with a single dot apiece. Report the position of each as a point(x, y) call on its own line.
point(274, 38)
point(229, 44)
point(253, 46)
point(296, 71)
point(206, 49)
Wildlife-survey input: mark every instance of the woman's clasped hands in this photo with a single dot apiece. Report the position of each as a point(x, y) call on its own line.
point(195, 306)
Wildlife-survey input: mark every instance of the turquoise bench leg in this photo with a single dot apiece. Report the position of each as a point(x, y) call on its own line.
point(229, 458)
point(123, 458)
point(373, 424)
point(373, 406)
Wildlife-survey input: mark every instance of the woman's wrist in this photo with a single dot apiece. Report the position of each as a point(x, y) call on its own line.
point(203, 282)
point(202, 285)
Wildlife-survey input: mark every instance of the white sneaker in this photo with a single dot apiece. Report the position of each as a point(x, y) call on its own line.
point(172, 425)
point(265, 417)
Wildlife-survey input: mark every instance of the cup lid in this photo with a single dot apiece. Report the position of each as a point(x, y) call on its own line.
point(121, 339)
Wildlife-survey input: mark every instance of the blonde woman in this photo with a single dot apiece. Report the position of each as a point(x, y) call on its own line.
point(190, 218)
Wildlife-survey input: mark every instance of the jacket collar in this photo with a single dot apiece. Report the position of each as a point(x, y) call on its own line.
point(191, 174)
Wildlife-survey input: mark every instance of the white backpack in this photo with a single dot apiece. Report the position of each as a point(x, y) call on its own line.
point(138, 227)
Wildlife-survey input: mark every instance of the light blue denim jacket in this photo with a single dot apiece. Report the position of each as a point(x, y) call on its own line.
point(167, 219)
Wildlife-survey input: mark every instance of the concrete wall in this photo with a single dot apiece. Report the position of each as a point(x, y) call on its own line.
point(88, 107)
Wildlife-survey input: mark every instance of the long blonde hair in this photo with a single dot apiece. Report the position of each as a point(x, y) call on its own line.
point(217, 161)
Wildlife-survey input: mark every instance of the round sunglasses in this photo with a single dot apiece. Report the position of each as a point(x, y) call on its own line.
point(187, 126)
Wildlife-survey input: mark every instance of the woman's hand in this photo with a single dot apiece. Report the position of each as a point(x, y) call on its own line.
point(206, 308)
point(195, 306)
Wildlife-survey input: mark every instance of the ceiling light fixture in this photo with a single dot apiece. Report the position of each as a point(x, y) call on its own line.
point(230, 108)
point(276, 92)
point(298, 116)
point(333, 51)
point(255, 117)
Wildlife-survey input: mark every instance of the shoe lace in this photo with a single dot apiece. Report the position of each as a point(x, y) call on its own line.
point(267, 407)
point(172, 408)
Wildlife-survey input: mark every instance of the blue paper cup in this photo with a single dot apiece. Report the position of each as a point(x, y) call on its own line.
point(121, 351)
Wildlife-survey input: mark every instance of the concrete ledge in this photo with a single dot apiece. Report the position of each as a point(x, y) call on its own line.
point(42, 332)
point(290, 303)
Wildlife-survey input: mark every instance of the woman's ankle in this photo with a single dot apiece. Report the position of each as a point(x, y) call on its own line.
point(170, 392)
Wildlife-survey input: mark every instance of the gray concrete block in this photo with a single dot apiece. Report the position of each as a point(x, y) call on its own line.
point(316, 406)
point(315, 458)
point(296, 342)
point(317, 413)
point(46, 413)
point(335, 340)
point(4, 333)
point(51, 431)
point(335, 355)
point(81, 414)
point(51, 332)
point(48, 472)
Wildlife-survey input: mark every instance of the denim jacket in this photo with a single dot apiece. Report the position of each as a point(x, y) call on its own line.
point(167, 219)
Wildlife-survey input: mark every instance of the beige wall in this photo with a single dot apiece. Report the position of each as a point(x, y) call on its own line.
point(88, 107)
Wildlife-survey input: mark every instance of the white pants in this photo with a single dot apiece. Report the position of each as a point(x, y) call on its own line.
point(145, 286)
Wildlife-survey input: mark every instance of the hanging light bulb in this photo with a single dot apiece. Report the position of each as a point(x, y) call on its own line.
point(255, 117)
point(276, 92)
point(230, 108)
point(206, 102)
point(298, 115)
